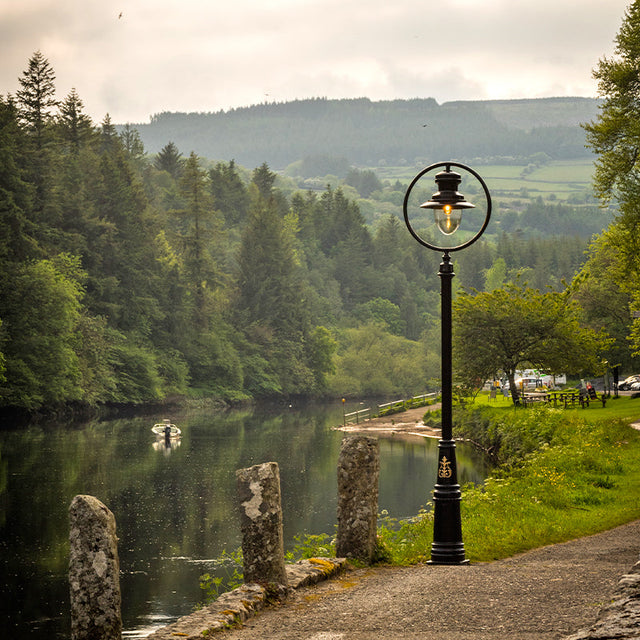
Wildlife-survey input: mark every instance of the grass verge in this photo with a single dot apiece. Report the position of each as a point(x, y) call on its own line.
point(562, 475)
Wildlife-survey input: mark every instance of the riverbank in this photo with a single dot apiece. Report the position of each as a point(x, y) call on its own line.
point(544, 594)
point(407, 424)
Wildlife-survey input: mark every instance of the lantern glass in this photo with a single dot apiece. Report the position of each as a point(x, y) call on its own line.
point(448, 219)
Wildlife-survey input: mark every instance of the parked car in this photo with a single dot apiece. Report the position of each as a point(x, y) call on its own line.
point(625, 385)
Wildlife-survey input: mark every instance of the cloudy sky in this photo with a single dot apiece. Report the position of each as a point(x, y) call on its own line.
point(134, 58)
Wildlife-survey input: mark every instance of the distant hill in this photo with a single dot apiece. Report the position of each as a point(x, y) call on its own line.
point(369, 133)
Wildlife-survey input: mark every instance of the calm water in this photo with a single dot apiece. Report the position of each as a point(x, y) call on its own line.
point(175, 509)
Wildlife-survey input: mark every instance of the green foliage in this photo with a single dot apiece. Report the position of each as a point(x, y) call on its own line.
point(228, 576)
point(507, 437)
point(614, 136)
point(406, 541)
point(139, 277)
point(40, 311)
point(136, 373)
point(365, 182)
point(513, 327)
point(371, 361)
point(169, 159)
point(311, 546)
point(565, 475)
point(367, 132)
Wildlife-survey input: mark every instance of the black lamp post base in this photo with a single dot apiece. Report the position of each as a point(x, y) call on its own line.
point(447, 546)
point(442, 553)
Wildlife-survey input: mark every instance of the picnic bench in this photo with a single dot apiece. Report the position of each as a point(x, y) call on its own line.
point(564, 399)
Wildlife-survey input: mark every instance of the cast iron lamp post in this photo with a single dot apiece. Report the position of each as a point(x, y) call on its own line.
point(447, 205)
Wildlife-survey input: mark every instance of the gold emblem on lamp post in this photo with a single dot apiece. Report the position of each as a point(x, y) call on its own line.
point(445, 468)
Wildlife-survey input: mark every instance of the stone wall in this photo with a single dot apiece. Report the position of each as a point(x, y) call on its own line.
point(620, 619)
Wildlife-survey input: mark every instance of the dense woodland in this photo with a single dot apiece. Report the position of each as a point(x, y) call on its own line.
point(136, 277)
point(369, 133)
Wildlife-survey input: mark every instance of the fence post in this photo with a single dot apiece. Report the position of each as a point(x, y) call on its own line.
point(94, 571)
point(261, 524)
point(358, 473)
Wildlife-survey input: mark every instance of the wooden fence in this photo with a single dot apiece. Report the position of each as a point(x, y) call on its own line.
point(388, 408)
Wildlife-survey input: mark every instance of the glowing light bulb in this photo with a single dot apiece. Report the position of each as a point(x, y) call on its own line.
point(448, 219)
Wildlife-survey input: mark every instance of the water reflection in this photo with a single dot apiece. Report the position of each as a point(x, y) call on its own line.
point(174, 505)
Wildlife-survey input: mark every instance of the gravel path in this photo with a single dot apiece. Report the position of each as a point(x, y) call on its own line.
point(542, 594)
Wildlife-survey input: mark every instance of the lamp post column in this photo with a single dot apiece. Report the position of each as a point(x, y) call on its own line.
point(447, 547)
point(447, 205)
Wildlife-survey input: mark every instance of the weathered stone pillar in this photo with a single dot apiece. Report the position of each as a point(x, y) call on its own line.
point(261, 524)
point(358, 473)
point(94, 571)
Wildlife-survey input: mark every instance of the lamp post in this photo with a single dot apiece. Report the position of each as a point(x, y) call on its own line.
point(448, 206)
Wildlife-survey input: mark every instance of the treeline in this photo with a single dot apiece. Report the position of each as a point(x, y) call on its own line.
point(134, 278)
point(368, 133)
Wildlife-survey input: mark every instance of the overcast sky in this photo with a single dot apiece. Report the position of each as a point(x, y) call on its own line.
point(134, 58)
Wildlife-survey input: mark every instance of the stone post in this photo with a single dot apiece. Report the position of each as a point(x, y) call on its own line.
point(261, 524)
point(94, 571)
point(358, 473)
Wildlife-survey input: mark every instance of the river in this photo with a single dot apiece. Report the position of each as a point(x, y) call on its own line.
point(175, 508)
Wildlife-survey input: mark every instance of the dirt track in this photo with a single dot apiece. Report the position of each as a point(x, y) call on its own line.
point(408, 423)
point(543, 594)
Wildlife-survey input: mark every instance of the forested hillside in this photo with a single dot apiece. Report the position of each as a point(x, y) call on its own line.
point(370, 133)
point(134, 277)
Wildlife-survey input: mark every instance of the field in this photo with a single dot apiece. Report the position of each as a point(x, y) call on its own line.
point(560, 180)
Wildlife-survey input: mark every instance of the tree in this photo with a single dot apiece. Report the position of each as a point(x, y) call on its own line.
point(615, 137)
point(169, 159)
point(264, 179)
point(365, 182)
point(17, 233)
point(603, 292)
point(271, 303)
point(507, 329)
point(230, 195)
point(198, 224)
point(75, 127)
point(36, 97)
point(40, 312)
point(132, 143)
point(35, 104)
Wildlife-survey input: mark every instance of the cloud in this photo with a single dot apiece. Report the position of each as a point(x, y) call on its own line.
point(197, 55)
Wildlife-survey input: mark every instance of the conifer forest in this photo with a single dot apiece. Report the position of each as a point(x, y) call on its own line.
point(136, 277)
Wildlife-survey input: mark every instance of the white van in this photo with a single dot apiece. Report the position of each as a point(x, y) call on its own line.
point(528, 383)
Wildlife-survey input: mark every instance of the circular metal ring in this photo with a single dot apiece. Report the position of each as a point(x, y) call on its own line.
point(487, 215)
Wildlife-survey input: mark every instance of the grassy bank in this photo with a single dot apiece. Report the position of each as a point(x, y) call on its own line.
point(562, 474)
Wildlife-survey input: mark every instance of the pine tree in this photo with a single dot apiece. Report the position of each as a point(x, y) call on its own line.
point(36, 102)
point(169, 159)
point(17, 232)
point(230, 195)
point(75, 126)
point(271, 303)
point(264, 179)
point(198, 226)
point(36, 98)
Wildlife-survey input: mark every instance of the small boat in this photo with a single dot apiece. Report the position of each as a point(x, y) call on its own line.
point(166, 429)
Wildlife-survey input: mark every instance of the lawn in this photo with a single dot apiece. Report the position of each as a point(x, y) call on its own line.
point(570, 473)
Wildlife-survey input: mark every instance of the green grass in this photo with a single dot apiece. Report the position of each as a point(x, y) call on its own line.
point(561, 178)
point(567, 473)
point(582, 476)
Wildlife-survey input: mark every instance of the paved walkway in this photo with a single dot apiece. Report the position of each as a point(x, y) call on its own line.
point(543, 594)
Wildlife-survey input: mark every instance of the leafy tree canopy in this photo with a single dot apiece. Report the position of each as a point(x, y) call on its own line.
point(514, 327)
